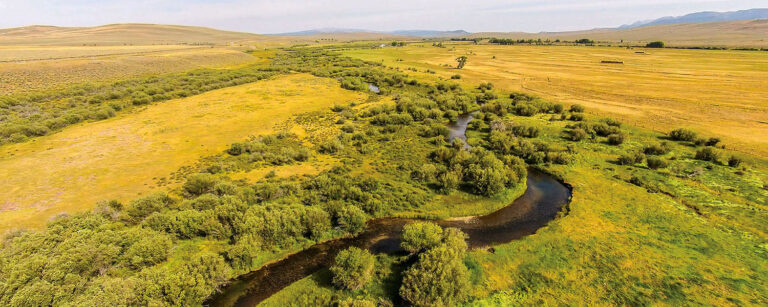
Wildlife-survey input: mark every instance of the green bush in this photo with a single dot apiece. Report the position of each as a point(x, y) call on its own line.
point(352, 219)
point(707, 154)
point(616, 139)
point(352, 268)
point(734, 161)
point(577, 134)
point(656, 163)
point(199, 184)
point(576, 108)
point(440, 277)
point(140, 208)
point(421, 236)
point(657, 149)
point(684, 135)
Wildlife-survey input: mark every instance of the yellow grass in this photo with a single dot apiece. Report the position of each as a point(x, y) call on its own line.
point(122, 157)
point(61, 66)
point(718, 93)
point(741, 33)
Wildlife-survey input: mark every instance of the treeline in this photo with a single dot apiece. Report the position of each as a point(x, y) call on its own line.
point(538, 41)
point(35, 114)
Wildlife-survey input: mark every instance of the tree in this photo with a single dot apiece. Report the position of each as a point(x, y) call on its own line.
point(353, 268)
point(656, 44)
point(420, 236)
point(462, 61)
point(439, 278)
point(351, 219)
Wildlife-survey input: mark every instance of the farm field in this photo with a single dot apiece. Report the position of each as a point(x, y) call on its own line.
point(123, 157)
point(28, 69)
point(714, 92)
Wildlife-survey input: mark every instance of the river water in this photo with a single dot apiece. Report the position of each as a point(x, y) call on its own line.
point(541, 202)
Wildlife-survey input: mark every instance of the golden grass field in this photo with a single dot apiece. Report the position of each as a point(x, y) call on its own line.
point(62, 66)
point(721, 93)
point(741, 33)
point(123, 157)
point(121, 34)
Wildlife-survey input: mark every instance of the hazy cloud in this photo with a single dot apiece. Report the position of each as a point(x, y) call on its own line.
point(271, 16)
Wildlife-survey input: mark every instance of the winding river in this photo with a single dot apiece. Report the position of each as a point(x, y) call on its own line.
point(541, 202)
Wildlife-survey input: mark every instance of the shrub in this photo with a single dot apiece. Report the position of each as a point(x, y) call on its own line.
point(712, 142)
point(576, 108)
point(199, 183)
point(656, 149)
point(151, 249)
point(448, 181)
point(707, 154)
point(656, 163)
point(631, 159)
point(140, 98)
point(612, 122)
point(421, 236)
point(577, 134)
point(577, 117)
point(331, 146)
point(352, 268)
point(523, 131)
point(439, 278)
point(236, 149)
point(352, 219)
point(456, 77)
point(559, 158)
point(616, 139)
point(734, 161)
point(143, 207)
point(684, 135)
point(425, 173)
point(603, 129)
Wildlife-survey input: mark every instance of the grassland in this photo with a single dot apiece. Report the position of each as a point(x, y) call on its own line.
point(121, 34)
point(72, 170)
point(689, 233)
point(676, 239)
point(34, 68)
point(735, 34)
point(720, 93)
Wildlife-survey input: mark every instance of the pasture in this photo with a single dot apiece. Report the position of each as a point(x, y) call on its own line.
point(123, 157)
point(715, 92)
point(35, 68)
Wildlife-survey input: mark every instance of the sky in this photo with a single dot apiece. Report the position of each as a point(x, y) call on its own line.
point(278, 16)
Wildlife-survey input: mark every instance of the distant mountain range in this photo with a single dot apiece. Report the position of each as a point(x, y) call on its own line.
point(419, 33)
point(702, 17)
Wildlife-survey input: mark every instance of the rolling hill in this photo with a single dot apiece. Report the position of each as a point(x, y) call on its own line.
point(121, 34)
point(702, 17)
point(743, 33)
